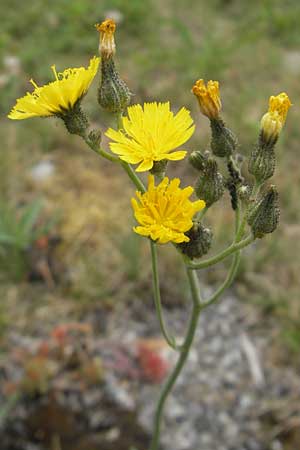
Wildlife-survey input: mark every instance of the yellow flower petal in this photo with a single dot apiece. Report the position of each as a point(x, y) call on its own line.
point(145, 165)
point(151, 133)
point(56, 97)
point(164, 212)
point(208, 97)
point(273, 121)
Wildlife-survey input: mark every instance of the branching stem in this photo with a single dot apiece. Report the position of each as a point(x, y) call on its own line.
point(157, 299)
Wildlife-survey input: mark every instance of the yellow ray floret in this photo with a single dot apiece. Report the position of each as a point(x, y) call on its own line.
point(56, 97)
point(273, 121)
point(150, 134)
point(208, 97)
point(165, 212)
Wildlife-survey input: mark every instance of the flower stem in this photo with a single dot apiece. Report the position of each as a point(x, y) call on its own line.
point(229, 279)
point(233, 268)
point(181, 359)
point(222, 255)
point(100, 151)
point(157, 298)
point(132, 175)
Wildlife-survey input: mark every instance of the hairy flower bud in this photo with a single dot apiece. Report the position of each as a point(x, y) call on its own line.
point(223, 140)
point(75, 120)
point(199, 243)
point(261, 163)
point(264, 216)
point(113, 94)
point(210, 184)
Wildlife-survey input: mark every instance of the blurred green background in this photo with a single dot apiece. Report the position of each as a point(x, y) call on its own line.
point(60, 225)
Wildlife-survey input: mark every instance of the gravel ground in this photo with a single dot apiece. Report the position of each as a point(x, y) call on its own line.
point(230, 390)
point(230, 396)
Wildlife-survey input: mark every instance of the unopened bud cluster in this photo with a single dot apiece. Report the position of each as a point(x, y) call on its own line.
point(263, 214)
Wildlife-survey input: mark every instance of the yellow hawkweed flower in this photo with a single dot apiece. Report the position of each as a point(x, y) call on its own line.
point(165, 212)
point(57, 97)
point(150, 134)
point(107, 45)
point(208, 97)
point(273, 121)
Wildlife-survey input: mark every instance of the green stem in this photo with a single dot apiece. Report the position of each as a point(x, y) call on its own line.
point(132, 175)
point(233, 268)
point(119, 121)
point(194, 286)
point(222, 255)
point(229, 279)
point(107, 155)
point(243, 223)
point(201, 214)
point(100, 151)
point(181, 359)
point(157, 298)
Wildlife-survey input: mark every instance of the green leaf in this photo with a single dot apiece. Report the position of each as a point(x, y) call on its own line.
point(29, 217)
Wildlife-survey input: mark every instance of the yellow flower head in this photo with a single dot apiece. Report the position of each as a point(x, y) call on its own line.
point(273, 121)
point(107, 45)
point(165, 212)
point(57, 97)
point(208, 97)
point(150, 134)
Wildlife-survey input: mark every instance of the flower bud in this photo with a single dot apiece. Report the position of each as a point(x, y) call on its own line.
point(223, 140)
point(208, 98)
point(113, 94)
point(94, 138)
point(210, 184)
point(262, 161)
point(198, 160)
point(244, 193)
point(273, 121)
point(264, 216)
point(75, 120)
point(199, 243)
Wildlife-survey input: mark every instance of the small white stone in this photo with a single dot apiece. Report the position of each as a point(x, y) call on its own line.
point(42, 170)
